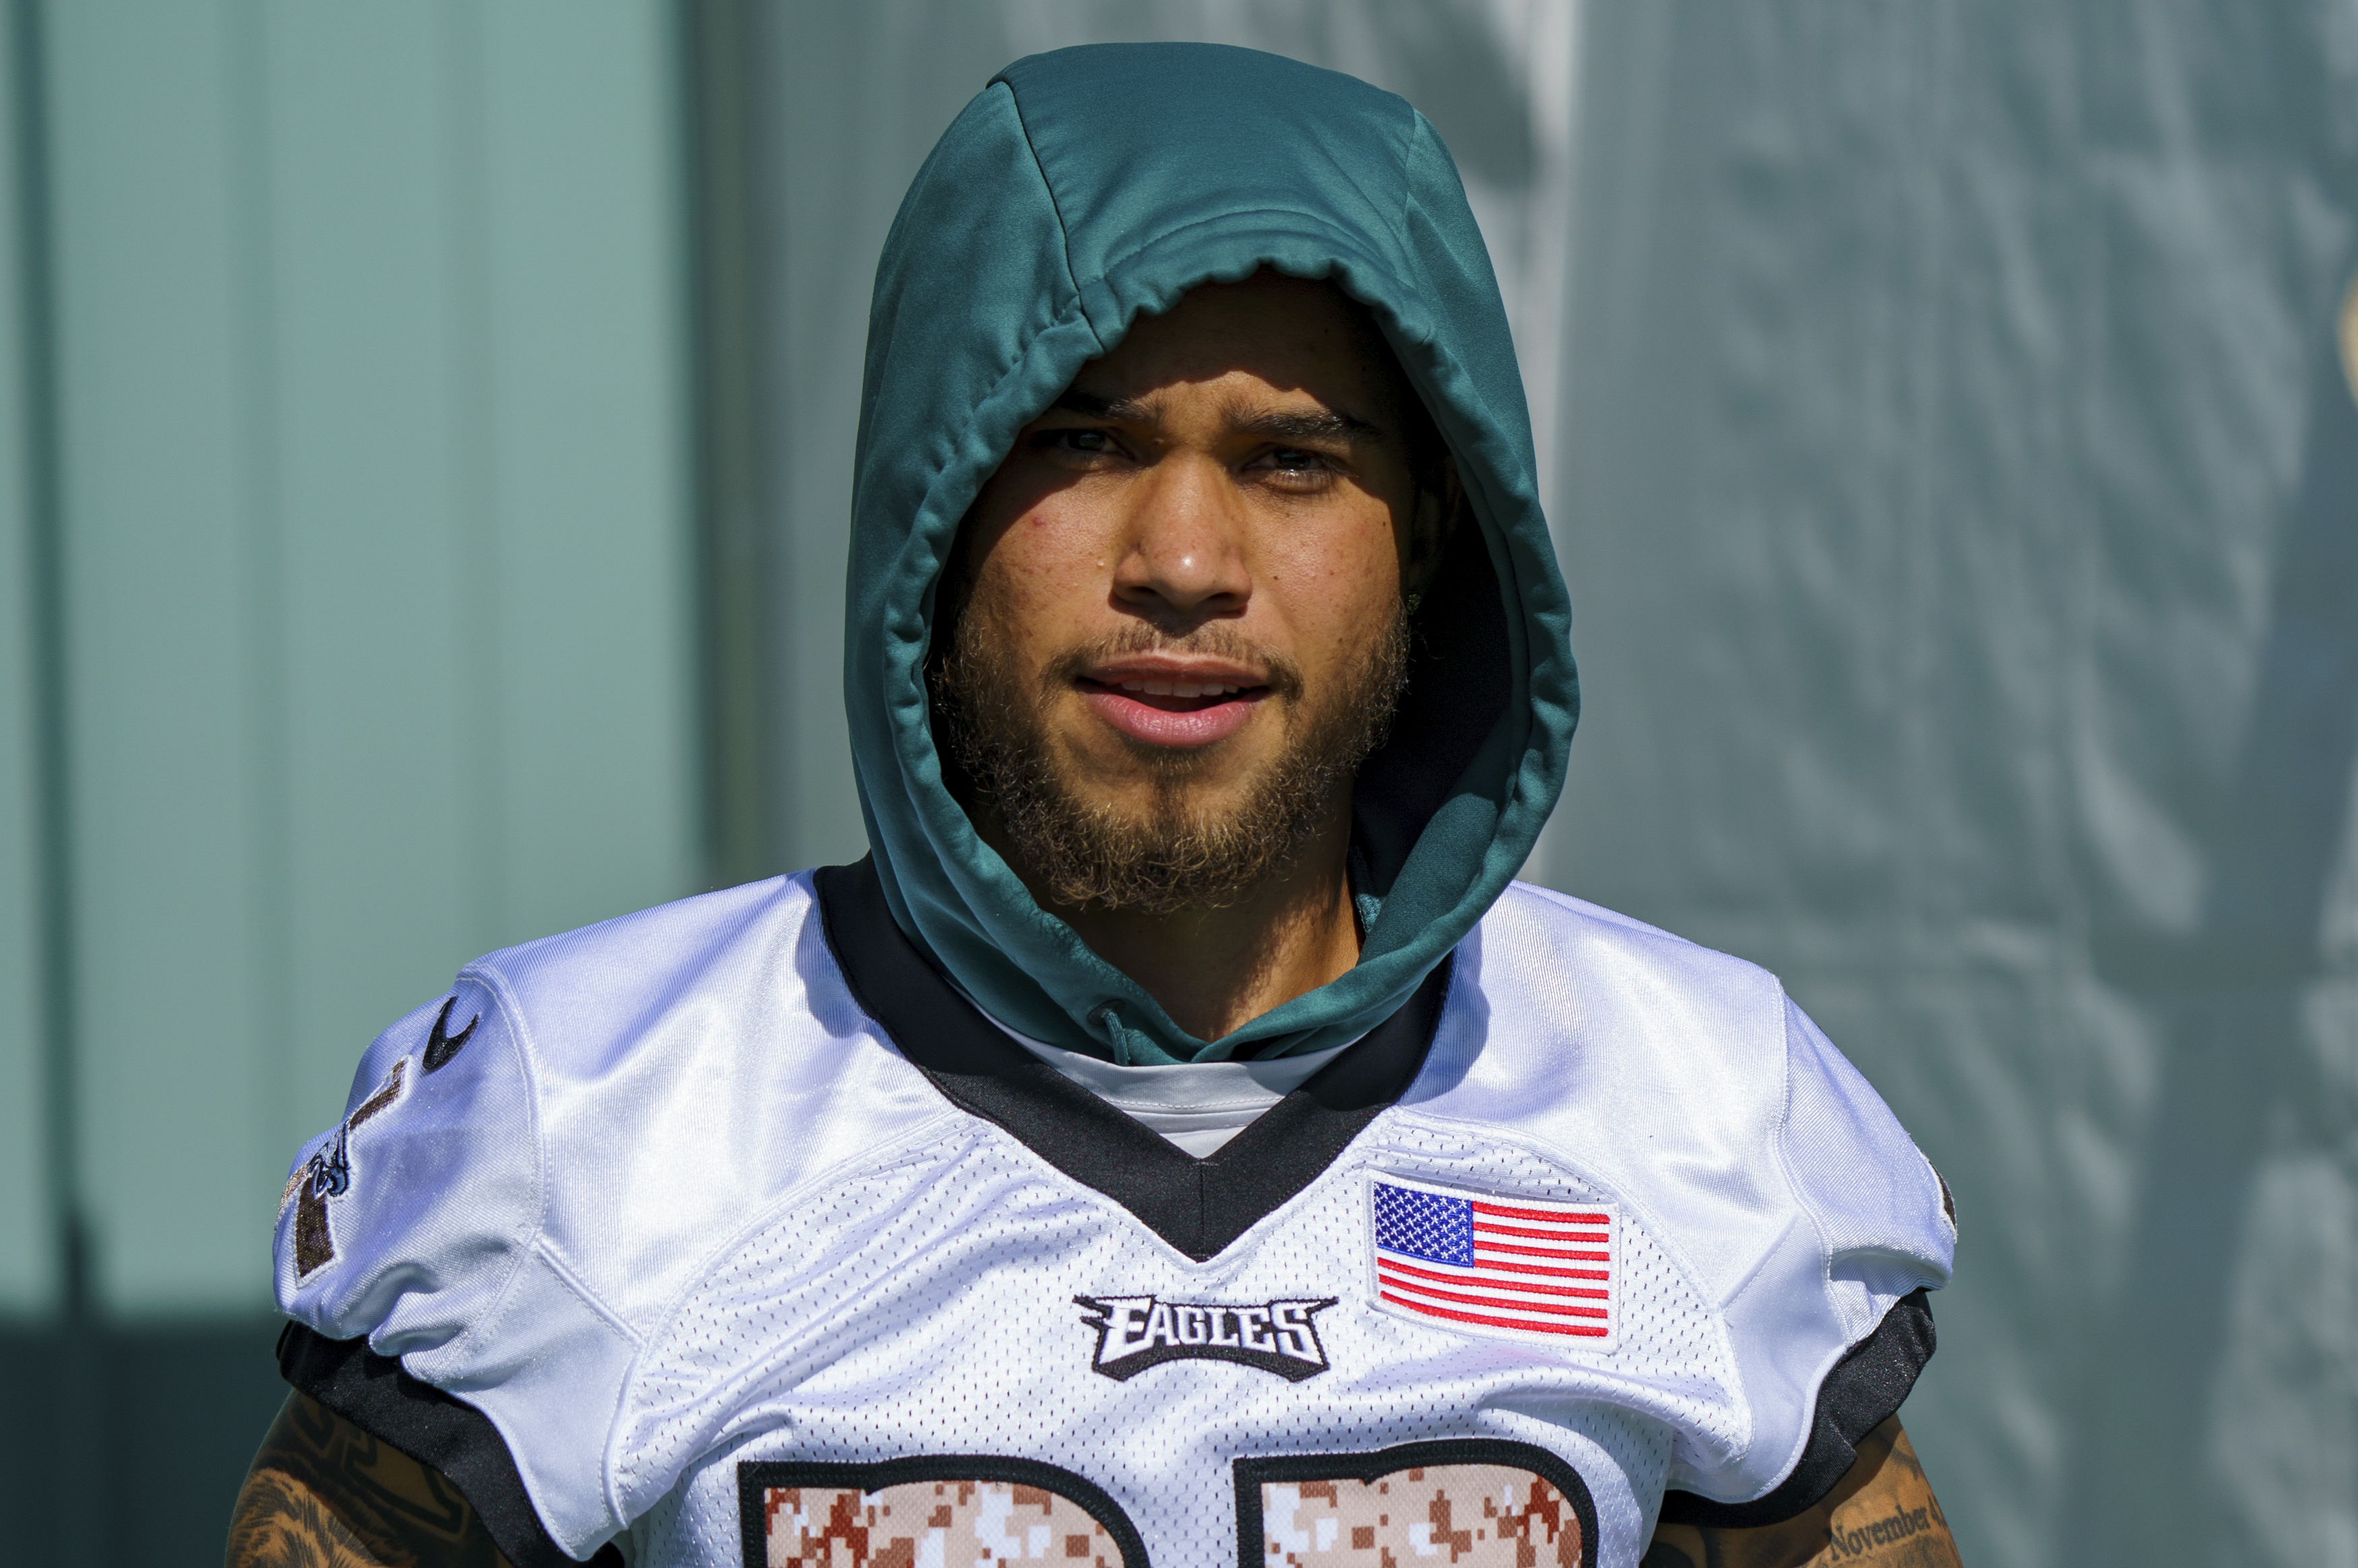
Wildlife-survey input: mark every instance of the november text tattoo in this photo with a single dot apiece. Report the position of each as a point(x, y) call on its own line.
point(1883, 1515)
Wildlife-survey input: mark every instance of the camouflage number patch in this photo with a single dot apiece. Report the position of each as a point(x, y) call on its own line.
point(1468, 1503)
point(977, 1512)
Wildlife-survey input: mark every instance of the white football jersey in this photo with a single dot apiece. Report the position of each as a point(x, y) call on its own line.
point(729, 1233)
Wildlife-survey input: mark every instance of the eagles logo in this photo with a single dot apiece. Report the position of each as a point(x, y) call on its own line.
point(1138, 1332)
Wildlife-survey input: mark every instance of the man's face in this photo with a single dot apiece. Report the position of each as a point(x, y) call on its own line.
point(1179, 625)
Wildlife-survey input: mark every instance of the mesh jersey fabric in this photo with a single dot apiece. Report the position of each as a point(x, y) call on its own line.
point(677, 1204)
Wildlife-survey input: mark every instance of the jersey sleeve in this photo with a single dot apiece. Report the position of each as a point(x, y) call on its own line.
point(1831, 1331)
point(408, 1254)
point(405, 1221)
point(1881, 1211)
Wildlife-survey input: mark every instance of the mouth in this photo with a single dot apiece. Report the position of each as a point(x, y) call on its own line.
point(1163, 703)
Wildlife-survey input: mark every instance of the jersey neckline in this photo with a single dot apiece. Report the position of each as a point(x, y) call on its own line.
point(1196, 1205)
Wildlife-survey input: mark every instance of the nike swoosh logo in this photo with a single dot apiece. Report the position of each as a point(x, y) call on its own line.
point(441, 1045)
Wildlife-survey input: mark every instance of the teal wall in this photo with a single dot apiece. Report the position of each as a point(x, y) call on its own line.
point(377, 571)
point(1944, 439)
point(27, 1275)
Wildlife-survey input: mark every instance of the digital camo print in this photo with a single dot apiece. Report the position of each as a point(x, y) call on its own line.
point(1482, 1516)
point(929, 1524)
point(1457, 1503)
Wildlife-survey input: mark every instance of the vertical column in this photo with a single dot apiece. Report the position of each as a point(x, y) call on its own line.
point(377, 544)
point(166, 747)
point(30, 1199)
point(719, 47)
point(592, 549)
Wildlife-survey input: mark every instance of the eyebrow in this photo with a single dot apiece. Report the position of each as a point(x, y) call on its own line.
point(1277, 425)
point(1307, 425)
point(1122, 410)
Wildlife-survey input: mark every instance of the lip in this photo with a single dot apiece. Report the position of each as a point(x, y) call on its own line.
point(1166, 701)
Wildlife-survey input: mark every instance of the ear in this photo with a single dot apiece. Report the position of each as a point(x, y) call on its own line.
point(1438, 508)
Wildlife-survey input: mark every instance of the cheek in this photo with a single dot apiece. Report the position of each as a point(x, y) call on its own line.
point(1041, 572)
point(1334, 582)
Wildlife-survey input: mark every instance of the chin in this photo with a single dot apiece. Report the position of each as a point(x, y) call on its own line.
point(1144, 780)
point(1146, 805)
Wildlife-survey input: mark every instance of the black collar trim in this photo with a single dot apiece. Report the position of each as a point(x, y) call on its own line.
point(1197, 1205)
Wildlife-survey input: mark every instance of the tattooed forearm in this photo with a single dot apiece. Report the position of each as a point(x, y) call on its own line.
point(324, 1494)
point(281, 1524)
point(1893, 1521)
point(1881, 1515)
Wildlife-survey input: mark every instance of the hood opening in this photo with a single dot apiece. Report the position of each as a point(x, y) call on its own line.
point(1078, 191)
point(1458, 683)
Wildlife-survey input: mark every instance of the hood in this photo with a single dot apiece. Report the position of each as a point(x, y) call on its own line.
point(1080, 190)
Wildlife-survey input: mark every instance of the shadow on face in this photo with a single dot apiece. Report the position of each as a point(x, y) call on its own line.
point(1181, 594)
point(1261, 361)
point(1243, 489)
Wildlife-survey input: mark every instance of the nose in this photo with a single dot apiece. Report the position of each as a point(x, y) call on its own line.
point(1184, 559)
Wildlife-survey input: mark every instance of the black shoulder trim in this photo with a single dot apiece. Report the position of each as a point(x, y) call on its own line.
point(755, 1477)
point(1197, 1205)
point(1251, 1475)
point(1864, 1389)
point(375, 1394)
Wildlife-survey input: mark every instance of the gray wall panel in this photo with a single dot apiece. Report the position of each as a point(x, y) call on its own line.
point(1956, 484)
point(1959, 493)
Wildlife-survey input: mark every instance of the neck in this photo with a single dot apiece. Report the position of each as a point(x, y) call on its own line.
point(1215, 969)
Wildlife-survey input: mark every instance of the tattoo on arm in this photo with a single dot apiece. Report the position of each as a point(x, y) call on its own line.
point(1881, 1515)
point(324, 1494)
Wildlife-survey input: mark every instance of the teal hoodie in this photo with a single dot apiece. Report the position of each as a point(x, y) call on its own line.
point(1079, 191)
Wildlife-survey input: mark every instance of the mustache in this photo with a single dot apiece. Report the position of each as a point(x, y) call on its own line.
point(1215, 640)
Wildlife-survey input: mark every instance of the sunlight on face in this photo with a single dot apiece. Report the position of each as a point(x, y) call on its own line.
point(1179, 598)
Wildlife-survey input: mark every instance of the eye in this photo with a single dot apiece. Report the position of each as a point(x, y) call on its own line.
point(1088, 443)
point(1295, 467)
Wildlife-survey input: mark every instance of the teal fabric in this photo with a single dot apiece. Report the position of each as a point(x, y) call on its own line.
point(1080, 189)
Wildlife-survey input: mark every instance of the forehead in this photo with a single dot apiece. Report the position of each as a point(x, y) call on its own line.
point(1296, 334)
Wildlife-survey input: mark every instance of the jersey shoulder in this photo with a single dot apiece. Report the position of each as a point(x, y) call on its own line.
point(1682, 1076)
point(613, 1096)
point(1683, 1085)
point(533, 1165)
point(1562, 1014)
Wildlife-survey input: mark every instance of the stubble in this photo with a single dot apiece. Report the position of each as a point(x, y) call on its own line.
point(1174, 854)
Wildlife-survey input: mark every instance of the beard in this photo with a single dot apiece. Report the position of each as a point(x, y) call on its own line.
point(1175, 854)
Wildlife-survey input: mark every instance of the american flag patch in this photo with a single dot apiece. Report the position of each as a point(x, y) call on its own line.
point(1521, 1266)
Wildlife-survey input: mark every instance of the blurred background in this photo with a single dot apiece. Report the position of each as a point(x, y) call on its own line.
point(425, 439)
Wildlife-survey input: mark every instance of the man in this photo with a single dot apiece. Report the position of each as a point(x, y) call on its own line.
point(1177, 1142)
